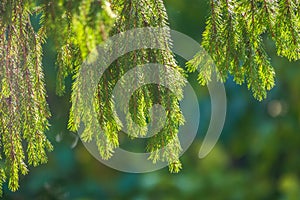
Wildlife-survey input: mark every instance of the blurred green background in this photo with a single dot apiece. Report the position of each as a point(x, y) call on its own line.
point(257, 156)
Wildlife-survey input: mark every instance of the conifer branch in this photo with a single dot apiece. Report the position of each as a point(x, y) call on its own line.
point(233, 38)
point(23, 105)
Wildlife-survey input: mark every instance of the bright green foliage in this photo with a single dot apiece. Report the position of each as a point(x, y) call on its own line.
point(135, 14)
point(77, 27)
point(234, 39)
point(287, 29)
point(23, 107)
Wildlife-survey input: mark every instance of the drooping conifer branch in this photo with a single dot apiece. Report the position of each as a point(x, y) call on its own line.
point(23, 106)
point(234, 39)
point(133, 14)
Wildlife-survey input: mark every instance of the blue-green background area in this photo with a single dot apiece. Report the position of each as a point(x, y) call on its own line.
point(257, 157)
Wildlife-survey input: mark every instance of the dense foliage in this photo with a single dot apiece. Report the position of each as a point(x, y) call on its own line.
point(234, 39)
point(233, 36)
point(133, 14)
point(23, 107)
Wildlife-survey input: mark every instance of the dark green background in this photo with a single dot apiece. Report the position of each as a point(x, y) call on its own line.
point(256, 158)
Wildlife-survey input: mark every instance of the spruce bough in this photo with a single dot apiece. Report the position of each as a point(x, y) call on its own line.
point(233, 37)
